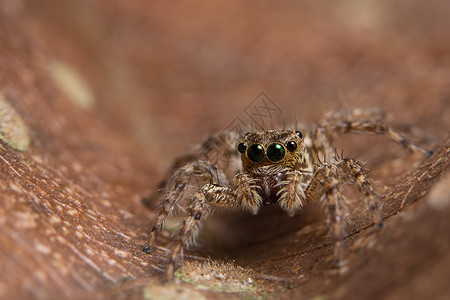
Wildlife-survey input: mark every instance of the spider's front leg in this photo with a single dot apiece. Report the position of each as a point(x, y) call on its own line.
point(175, 191)
point(209, 195)
point(326, 184)
point(195, 211)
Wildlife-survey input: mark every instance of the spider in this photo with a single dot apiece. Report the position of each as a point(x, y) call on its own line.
point(273, 167)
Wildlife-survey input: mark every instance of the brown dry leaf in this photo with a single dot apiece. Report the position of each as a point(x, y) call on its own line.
point(165, 76)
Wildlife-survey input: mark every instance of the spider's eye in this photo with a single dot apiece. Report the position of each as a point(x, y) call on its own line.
point(255, 152)
point(291, 146)
point(299, 134)
point(242, 147)
point(275, 152)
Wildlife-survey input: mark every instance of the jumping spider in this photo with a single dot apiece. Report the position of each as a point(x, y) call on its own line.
point(273, 166)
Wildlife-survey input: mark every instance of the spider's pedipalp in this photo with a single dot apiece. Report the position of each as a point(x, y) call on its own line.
point(247, 192)
point(292, 192)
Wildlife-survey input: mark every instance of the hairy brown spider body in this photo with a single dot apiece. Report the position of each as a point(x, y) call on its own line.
point(273, 166)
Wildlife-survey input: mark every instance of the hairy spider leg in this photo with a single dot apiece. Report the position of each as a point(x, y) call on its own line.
point(335, 208)
point(175, 191)
point(345, 122)
point(190, 226)
point(209, 195)
point(224, 140)
point(355, 170)
point(325, 184)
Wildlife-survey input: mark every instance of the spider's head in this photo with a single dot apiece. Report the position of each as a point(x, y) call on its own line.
point(283, 148)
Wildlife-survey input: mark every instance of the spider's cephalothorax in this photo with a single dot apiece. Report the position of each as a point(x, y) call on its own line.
point(268, 158)
point(273, 166)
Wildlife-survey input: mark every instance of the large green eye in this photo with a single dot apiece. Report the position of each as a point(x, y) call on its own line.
point(255, 152)
point(275, 152)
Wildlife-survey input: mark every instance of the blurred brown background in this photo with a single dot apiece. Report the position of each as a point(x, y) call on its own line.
point(152, 78)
